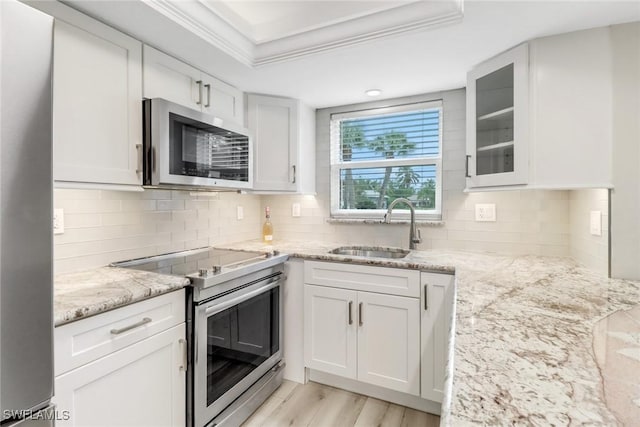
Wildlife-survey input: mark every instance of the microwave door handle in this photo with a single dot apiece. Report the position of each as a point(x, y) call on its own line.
point(216, 308)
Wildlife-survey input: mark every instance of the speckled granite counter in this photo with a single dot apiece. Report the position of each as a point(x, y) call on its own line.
point(85, 293)
point(538, 341)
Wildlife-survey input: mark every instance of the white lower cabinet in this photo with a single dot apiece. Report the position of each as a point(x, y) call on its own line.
point(389, 341)
point(330, 343)
point(437, 297)
point(395, 342)
point(125, 367)
point(141, 385)
point(373, 338)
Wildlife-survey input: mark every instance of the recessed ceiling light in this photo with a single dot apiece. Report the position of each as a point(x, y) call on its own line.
point(373, 92)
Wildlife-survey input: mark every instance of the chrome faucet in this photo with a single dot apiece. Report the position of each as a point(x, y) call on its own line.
point(414, 233)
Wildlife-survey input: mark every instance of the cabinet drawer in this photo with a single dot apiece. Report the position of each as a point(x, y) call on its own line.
point(394, 281)
point(81, 342)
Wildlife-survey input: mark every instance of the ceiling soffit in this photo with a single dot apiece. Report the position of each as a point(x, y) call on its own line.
point(237, 38)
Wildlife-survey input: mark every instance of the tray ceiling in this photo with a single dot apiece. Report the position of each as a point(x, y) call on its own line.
point(258, 32)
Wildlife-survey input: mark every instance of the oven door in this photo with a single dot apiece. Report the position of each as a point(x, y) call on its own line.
point(238, 338)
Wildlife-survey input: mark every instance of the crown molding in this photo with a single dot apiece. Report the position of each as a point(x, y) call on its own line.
point(331, 38)
point(202, 21)
point(209, 24)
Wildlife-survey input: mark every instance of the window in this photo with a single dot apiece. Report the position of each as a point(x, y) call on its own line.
point(381, 154)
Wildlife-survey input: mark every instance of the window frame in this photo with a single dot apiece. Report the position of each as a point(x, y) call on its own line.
point(336, 164)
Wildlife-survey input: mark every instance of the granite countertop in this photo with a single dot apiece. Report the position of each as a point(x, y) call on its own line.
point(537, 340)
point(86, 293)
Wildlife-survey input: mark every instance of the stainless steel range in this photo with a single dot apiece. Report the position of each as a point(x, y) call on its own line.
point(234, 325)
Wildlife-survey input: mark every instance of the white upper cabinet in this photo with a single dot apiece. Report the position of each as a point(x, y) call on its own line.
point(222, 100)
point(571, 87)
point(497, 120)
point(166, 77)
point(540, 115)
point(284, 131)
point(274, 122)
point(169, 78)
point(97, 93)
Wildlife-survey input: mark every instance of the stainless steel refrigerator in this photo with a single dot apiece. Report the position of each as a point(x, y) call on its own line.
point(26, 241)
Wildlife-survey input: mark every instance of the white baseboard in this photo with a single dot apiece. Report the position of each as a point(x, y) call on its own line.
point(392, 396)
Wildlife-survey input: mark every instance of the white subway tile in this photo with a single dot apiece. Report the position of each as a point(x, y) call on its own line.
point(170, 205)
point(81, 220)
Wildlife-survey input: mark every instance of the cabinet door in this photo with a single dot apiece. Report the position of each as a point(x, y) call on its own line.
point(437, 305)
point(97, 92)
point(171, 79)
point(274, 122)
point(330, 330)
point(222, 100)
point(498, 120)
point(140, 385)
point(389, 341)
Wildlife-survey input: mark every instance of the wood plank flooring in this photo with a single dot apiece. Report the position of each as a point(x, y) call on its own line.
point(317, 405)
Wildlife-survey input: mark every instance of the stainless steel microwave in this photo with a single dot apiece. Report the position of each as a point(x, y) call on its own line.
point(185, 148)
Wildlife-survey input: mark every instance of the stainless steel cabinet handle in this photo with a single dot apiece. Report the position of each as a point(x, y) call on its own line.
point(139, 153)
point(294, 174)
point(426, 298)
point(466, 167)
point(350, 316)
point(128, 328)
point(360, 322)
point(208, 104)
point(183, 345)
point(199, 83)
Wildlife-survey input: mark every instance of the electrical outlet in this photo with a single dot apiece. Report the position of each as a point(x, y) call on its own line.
point(486, 212)
point(58, 221)
point(295, 209)
point(240, 213)
point(595, 225)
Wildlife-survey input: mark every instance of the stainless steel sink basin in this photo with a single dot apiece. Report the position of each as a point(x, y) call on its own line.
point(370, 252)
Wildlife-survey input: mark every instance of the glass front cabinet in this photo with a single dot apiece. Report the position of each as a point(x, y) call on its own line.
point(497, 121)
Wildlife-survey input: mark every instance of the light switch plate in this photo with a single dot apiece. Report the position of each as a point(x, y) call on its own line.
point(58, 221)
point(240, 212)
point(295, 209)
point(486, 212)
point(595, 225)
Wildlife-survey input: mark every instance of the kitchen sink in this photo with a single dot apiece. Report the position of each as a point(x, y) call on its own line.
point(370, 252)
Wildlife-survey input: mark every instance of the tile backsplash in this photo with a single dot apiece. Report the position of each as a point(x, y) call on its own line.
point(589, 250)
point(106, 226)
point(528, 222)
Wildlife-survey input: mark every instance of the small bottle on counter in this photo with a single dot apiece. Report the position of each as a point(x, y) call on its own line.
point(267, 228)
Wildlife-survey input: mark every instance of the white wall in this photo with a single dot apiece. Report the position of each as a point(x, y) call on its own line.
point(107, 226)
point(589, 250)
point(528, 222)
point(625, 198)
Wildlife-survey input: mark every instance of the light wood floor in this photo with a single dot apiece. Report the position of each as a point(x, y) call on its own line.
point(318, 405)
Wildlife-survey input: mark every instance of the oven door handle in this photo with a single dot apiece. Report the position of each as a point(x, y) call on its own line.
point(216, 308)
